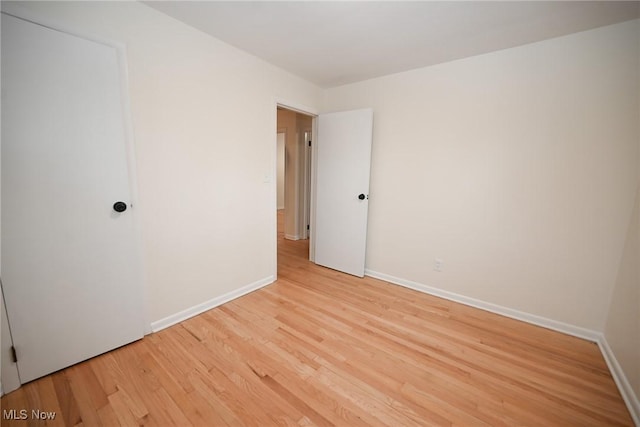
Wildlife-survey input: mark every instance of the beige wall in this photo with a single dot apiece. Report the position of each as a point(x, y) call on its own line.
point(622, 330)
point(208, 216)
point(518, 168)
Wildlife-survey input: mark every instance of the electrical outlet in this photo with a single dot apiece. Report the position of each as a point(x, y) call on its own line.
point(437, 264)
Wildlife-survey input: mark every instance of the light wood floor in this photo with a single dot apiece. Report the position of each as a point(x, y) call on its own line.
point(322, 348)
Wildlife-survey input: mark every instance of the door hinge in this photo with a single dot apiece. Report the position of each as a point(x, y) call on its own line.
point(307, 226)
point(14, 355)
point(309, 143)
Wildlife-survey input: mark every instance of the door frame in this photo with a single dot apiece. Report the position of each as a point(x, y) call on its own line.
point(284, 166)
point(18, 11)
point(313, 113)
point(306, 180)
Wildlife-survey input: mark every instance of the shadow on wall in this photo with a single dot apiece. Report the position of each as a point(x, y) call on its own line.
point(622, 329)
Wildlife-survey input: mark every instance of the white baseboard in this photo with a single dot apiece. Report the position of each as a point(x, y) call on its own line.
point(292, 237)
point(565, 328)
point(161, 324)
point(621, 380)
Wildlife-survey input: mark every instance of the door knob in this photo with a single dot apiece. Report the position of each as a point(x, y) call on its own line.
point(361, 196)
point(119, 206)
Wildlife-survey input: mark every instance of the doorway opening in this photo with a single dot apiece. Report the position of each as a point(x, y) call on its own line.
point(293, 171)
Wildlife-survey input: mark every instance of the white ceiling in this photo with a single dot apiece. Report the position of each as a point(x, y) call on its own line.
point(331, 43)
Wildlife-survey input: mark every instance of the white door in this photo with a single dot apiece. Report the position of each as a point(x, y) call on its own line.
point(70, 270)
point(342, 189)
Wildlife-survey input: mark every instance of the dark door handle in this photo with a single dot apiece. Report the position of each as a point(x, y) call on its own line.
point(361, 196)
point(119, 206)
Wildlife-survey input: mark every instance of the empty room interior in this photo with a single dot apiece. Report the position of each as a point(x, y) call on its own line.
point(346, 213)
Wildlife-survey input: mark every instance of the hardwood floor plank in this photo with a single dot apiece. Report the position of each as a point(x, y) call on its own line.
point(66, 400)
point(216, 400)
point(122, 407)
point(49, 400)
point(13, 403)
point(108, 416)
point(321, 401)
point(80, 390)
point(161, 403)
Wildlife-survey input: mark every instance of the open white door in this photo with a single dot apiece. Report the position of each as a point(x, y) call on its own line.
point(342, 189)
point(70, 267)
